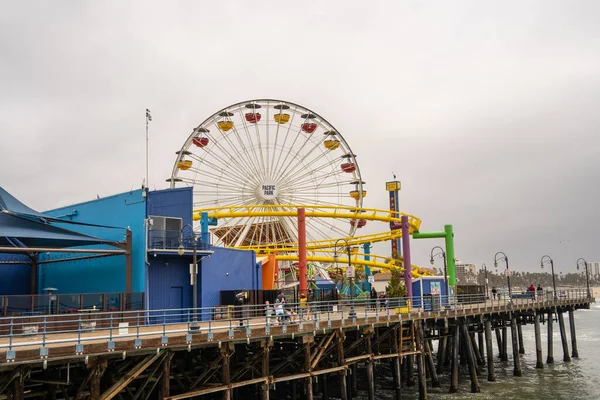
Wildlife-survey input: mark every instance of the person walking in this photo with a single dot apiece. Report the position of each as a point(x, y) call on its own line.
point(494, 292)
point(373, 296)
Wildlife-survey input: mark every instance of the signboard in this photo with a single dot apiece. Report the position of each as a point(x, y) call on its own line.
point(435, 288)
point(507, 273)
point(371, 279)
point(394, 185)
point(350, 271)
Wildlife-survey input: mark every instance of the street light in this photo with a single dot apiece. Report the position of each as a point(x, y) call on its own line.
point(507, 272)
point(587, 277)
point(442, 255)
point(349, 272)
point(181, 251)
point(542, 262)
point(487, 296)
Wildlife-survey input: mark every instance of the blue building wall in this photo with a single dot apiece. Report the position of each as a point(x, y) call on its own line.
point(104, 274)
point(228, 269)
point(15, 278)
point(176, 203)
point(166, 275)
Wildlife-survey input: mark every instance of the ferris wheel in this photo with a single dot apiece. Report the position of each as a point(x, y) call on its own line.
point(270, 155)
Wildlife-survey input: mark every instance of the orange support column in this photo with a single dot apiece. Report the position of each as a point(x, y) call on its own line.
point(302, 251)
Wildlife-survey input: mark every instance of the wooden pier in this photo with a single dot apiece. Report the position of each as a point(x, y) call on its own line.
point(320, 356)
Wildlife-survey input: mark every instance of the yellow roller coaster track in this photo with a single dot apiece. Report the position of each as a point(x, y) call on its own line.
point(291, 210)
point(319, 211)
point(375, 262)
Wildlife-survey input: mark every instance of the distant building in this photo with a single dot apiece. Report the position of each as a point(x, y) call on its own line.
point(466, 273)
point(594, 268)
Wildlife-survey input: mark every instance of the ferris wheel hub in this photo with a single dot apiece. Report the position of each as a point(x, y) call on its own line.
point(267, 190)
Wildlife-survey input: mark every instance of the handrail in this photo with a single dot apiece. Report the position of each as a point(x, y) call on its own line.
point(83, 327)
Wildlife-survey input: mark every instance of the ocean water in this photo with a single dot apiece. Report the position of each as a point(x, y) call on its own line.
point(579, 379)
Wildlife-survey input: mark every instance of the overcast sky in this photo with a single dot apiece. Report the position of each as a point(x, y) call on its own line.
point(486, 111)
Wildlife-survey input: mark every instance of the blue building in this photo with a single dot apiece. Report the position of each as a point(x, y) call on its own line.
point(158, 227)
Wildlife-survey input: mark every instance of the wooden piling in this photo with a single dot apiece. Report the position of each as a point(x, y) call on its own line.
point(520, 337)
point(165, 385)
point(354, 379)
point(325, 387)
point(454, 344)
point(420, 361)
point(515, 350)
point(410, 370)
point(538, 340)
point(441, 354)
point(563, 336)
point(504, 356)
point(490, 351)
point(477, 351)
point(499, 341)
point(396, 362)
point(264, 387)
point(574, 351)
point(447, 344)
point(225, 370)
point(308, 381)
point(550, 358)
point(470, 358)
point(435, 382)
point(341, 362)
point(370, 375)
point(481, 345)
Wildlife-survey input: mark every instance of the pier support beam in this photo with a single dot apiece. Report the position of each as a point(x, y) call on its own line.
point(538, 340)
point(477, 351)
point(396, 363)
point(225, 370)
point(481, 345)
point(370, 375)
point(563, 336)
point(441, 354)
point(410, 370)
point(470, 358)
point(341, 362)
point(550, 357)
point(435, 382)
point(504, 356)
point(499, 341)
point(325, 388)
point(165, 384)
point(520, 335)
point(490, 351)
point(308, 381)
point(455, 344)
point(264, 387)
point(574, 351)
point(515, 350)
point(420, 344)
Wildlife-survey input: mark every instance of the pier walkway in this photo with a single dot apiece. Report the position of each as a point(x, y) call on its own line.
point(136, 343)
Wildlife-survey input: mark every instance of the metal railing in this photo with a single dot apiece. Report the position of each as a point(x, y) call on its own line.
point(40, 304)
point(46, 331)
point(171, 240)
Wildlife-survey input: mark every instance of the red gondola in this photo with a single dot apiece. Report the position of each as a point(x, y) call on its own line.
point(359, 224)
point(200, 141)
point(309, 127)
point(253, 117)
point(348, 167)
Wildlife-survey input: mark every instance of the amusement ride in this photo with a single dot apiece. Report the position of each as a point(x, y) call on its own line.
point(253, 165)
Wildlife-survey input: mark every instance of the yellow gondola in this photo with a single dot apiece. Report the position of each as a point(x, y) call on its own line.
point(225, 125)
point(184, 164)
point(355, 194)
point(281, 118)
point(331, 144)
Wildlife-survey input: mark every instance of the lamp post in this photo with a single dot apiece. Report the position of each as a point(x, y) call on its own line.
point(441, 254)
point(587, 277)
point(181, 251)
point(487, 296)
point(507, 272)
point(546, 259)
point(349, 272)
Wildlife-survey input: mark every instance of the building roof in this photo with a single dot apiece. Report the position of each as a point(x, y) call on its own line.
point(23, 227)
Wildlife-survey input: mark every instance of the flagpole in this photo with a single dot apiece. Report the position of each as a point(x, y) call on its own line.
point(148, 119)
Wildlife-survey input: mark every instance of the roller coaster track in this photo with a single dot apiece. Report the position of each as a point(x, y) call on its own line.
point(320, 211)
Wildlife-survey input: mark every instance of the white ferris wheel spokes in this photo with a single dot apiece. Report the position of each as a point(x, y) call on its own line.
point(269, 152)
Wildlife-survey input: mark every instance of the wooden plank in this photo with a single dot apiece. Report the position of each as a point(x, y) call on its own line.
point(317, 357)
point(130, 376)
point(216, 389)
